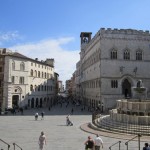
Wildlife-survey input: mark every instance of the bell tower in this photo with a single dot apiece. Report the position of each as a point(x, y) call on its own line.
point(85, 37)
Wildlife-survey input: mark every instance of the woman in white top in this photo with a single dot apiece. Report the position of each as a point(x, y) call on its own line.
point(42, 141)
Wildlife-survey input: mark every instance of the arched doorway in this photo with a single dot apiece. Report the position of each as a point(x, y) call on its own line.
point(32, 103)
point(41, 103)
point(37, 103)
point(15, 100)
point(28, 102)
point(126, 88)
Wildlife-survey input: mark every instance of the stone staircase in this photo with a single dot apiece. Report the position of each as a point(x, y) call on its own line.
point(106, 124)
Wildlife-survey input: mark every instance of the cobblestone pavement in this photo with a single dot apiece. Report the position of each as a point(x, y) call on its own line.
point(24, 130)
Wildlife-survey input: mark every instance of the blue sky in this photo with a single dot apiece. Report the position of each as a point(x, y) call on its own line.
point(51, 28)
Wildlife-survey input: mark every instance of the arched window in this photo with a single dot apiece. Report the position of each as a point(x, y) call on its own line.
point(139, 55)
point(22, 66)
point(114, 54)
point(42, 88)
point(35, 88)
point(126, 55)
point(31, 87)
point(39, 88)
point(31, 72)
point(39, 74)
point(45, 74)
point(13, 65)
point(35, 73)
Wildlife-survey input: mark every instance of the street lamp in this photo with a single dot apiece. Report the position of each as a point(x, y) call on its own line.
point(102, 106)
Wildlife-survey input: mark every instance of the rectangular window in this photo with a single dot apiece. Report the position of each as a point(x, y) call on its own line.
point(1, 69)
point(21, 80)
point(0, 83)
point(13, 79)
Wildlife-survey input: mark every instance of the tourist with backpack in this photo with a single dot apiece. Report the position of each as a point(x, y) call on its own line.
point(89, 144)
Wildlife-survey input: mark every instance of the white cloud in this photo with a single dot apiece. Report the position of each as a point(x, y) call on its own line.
point(9, 36)
point(65, 60)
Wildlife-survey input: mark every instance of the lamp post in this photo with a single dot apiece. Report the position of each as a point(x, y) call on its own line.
point(102, 107)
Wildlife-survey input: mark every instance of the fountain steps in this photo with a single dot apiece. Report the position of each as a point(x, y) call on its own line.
point(105, 123)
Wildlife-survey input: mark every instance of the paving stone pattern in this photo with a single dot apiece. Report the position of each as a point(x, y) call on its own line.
point(25, 131)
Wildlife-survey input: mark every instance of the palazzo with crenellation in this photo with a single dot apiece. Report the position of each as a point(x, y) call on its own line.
point(110, 64)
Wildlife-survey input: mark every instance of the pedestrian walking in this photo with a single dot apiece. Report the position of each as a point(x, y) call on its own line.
point(72, 111)
point(89, 144)
point(98, 143)
point(42, 115)
point(42, 141)
point(36, 116)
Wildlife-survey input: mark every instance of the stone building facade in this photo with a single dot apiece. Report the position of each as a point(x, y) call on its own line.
point(110, 64)
point(25, 81)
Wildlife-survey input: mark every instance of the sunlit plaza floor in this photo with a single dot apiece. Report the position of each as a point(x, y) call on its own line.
point(25, 131)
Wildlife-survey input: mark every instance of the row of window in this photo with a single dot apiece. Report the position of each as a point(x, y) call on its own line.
point(21, 80)
point(50, 68)
point(96, 84)
point(22, 66)
point(126, 55)
point(41, 88)
point(40, 74)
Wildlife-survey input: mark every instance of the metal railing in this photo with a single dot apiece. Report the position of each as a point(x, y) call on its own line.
point(115, 144)
point(5, 143)
point(126, 143)
point(17, 146)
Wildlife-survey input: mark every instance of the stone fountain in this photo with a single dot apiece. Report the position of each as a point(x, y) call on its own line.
point(131, 115)
point(134, 111)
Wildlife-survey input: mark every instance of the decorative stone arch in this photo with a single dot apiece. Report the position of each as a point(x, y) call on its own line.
point(37, 103)
point(32, 103)
point(139, 54)
point(127, 83)
point(41, 103)
point(22, 66)
point(13, 65)
point(126, 54)
point(16, 96)
point(113, 53)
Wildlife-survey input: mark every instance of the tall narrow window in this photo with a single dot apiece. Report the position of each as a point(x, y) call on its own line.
point(13, 65)
point(22, 66)
point(0, 83)
point(114, 84)
point(39, 74)
point(31, 87)
point(35, 73)
point(31, 72)
point(139, 55)
point(126, 55)
point(13, 79)
point(1, 70)
point(114, 54)
point(21, 80)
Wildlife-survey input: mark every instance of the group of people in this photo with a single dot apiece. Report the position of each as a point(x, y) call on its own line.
point(90, 144)
point(95, 144)
point(146, 146)
point(37, 115)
